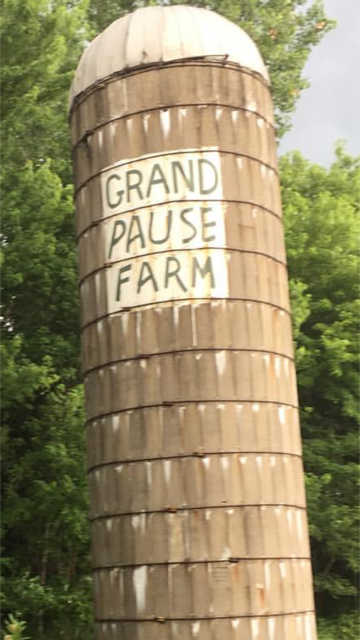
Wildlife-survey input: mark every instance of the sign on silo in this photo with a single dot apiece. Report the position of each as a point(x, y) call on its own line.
point(196, 482)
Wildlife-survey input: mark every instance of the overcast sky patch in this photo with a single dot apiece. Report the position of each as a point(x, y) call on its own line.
point(330, 109)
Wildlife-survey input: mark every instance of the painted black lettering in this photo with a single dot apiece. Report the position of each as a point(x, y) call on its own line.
point(169, 224)
point(157, 170)
point(113, 203)
point(190, 224)
point(187, 179)
point(173, 273)
point(135, 185)
point(206, 269)
point(213, 182)
point(205, 225)
point(146, 274)
point(116, 238)
point(121, 280)
point(135, 232)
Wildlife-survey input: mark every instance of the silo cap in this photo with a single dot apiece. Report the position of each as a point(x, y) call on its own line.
point(161, 34)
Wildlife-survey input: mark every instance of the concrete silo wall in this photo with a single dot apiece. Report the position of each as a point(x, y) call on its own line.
point(197, 493)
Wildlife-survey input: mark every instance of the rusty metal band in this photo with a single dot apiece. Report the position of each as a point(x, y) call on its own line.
point(146, 356)
point(171, 403)
point(107, 265)
point(229, 560)
point(169, 153)
point(106, 516)
point(166, 107)
point(98, 221)
point(196, 61)
point(194, 454)
point(160, 620)
point(182, 300)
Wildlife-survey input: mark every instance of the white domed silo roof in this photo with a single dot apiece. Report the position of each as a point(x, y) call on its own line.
point(160, 34)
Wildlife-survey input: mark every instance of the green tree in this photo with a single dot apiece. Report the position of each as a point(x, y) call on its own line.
point(321, 210)
point(44, 518)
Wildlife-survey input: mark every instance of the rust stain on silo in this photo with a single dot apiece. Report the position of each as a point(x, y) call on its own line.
point(197, 494)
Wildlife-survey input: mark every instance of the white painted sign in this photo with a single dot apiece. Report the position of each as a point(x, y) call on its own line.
point(164, 239)
point(170, 177)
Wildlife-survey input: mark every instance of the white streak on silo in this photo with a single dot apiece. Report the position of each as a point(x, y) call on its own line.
point(259, 461)
point(282, 567)
point(225, 554)
point(299, 626)
point(243, 459)
point(235, 623)
point(100, 138)
point(251, 105)
point(139, 522)
point(139, 583)
point(239, 409)
point(255, 407)
point(266, 359)
point(220, 358)
point(230, 511)
point(198, 356)
point(254, 213)
point(255, 629)
point(299, 525)
point(260, 123)
point(206, 462)
point(125, 322)
point(239, 162)
point(271, 627)
point(146, 123)
point(224, 463)
point(143, 363)
point(167, 470)
point(281, 414)
point(308, 628)
point(116, 423)
point(235, 116)
point(272, 461)
point(218, 113)
point(138, 327)
point(193, 325)
point(109, 524)
point(289, 518)
point(112, 130)
point(195, 628)
point(165, 121)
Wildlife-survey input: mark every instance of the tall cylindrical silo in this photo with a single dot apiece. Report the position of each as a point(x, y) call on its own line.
point(196, 482)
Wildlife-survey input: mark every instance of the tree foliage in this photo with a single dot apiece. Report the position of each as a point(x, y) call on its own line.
point(44, 520)
point(321, 211)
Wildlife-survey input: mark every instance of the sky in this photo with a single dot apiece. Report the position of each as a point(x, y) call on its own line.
point(330, 109)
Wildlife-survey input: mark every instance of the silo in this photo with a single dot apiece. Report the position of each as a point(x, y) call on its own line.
point(196, 482)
